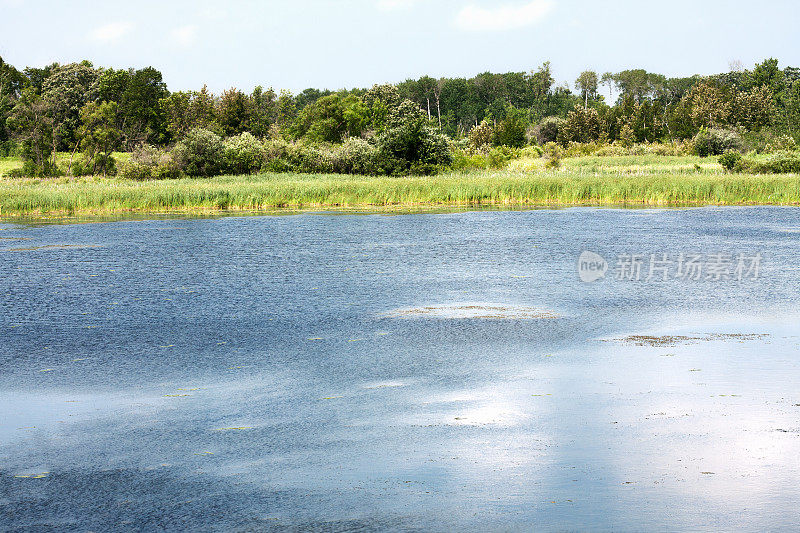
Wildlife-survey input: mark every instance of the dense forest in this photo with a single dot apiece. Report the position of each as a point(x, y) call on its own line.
point(417, 126)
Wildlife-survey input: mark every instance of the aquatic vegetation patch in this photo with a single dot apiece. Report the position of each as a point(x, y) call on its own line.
point(660, 341)
point(53, 247)
point(472, 311)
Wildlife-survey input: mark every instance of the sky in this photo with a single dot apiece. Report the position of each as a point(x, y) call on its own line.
point(357, 43)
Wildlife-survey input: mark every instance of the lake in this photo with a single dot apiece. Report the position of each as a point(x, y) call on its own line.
point(420, 371)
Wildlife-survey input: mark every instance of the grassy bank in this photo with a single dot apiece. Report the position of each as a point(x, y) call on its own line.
point(634, 181)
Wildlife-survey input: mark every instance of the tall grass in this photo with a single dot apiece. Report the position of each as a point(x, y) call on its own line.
point(583, 181)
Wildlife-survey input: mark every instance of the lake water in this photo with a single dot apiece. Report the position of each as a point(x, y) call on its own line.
point(335, 372)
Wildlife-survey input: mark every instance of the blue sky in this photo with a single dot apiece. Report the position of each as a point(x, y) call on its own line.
point(347, 43)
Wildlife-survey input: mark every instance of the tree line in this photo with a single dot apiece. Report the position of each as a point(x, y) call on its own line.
point(90, 112)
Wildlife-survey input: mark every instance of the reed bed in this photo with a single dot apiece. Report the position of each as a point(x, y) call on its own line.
point(582, 181)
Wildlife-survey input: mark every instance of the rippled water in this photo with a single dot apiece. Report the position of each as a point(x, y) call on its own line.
point(398, 372)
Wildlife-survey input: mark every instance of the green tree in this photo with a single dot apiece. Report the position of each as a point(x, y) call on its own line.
point(582, 126)
point(31, 125)
point(99, 135)
point(12, 82)
point(233, 112)
point(587, 85)
point(410, 144)
point(511, 130)
point(142, 120)
point(66, 91)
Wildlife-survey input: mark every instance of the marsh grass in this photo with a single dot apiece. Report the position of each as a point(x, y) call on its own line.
point(625, 180)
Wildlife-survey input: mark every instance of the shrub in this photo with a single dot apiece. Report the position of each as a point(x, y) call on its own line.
point(147, 163)
point(779, 163)
point(244, 154)
point(30, 169)
point(8, 148)
point(481, 135)
point(357, 156)
point(626, 136)
point(411, 142)
point(464, 160)
point(716, 141)
point(730, 160)
point(782, 143)
point(511, 130)
point(582, 126)
point(552, 154)
point(99, 164)
point(132, 170)
point(500, 156)
point(200, 153)
point(547, 130)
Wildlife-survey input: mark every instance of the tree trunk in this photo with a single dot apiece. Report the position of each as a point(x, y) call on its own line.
point(69, 169)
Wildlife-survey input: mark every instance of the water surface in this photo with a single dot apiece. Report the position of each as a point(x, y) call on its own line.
point(398, 372)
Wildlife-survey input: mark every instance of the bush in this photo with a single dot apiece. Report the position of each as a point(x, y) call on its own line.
point(778, 163)
point(412, 146)
point(244, 154)
point(782, 143)
point(30, 169)
point(8, 148)
point(548, 129)
point(552, 154)
point(626, 136)
point(148, 163)
point(200, 153)
point(730, 160)
point(716, 141)
point(99, 164)
point(481, 136)
point(582, 126)
point(357, 156)
point(511, 131)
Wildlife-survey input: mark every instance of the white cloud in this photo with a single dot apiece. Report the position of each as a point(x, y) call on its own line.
point(184, 35)
point(394, 5)
point(111, 32)
point(505, 17)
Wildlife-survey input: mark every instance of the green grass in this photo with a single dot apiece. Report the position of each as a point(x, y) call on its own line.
point(627, 180)
point(7, 164)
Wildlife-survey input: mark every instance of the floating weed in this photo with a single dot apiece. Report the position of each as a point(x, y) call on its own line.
point(333, 397)
point(355, 340)
point(176, 395)
point(40, 475)
point(80, 359)
point(194, 389)
point(47, 370)
point(203, 453)
point(382, 333)
point(540, 395)
point(315, 338)
point(221, 343)
point(167, 346)
point(238, 428)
